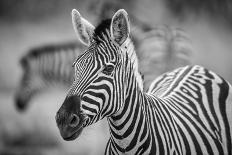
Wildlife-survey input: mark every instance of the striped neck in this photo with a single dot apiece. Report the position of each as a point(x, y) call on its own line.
point(125, 135)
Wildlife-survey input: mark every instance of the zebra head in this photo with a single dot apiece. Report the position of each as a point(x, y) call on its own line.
point(30, 83)
point(99, 88)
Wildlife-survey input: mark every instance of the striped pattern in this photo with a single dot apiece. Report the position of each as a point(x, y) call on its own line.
point(189, 114)
point(194, 102)
point(45, 66)
point(53, 62)
point(185, 111)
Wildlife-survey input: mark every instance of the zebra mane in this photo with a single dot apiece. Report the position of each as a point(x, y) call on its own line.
point(101, 29)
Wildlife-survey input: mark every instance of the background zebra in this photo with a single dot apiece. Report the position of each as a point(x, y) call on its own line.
point(164, 48)
point(45, 66)
point(186, 111)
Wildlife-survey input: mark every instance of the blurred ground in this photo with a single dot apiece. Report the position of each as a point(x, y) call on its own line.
point(36, 129)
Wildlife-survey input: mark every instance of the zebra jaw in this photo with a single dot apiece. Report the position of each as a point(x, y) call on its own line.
point(75, 135)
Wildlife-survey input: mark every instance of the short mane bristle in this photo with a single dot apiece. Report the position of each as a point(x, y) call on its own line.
point(102, 28)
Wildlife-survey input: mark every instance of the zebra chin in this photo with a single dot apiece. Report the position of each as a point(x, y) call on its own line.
point(73, 135)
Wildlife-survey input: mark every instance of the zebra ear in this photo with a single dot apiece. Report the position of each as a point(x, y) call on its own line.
point(82, 27)
point(120, 27)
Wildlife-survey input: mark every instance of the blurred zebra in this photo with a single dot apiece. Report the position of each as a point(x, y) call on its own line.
point(45, 66)
point(163, 48)
point(185, 111)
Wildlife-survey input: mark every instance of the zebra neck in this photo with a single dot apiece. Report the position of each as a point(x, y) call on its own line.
point(128, 47)
point(125, 126)
point(132, 127)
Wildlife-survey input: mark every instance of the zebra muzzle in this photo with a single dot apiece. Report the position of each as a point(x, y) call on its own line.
point(70, 119)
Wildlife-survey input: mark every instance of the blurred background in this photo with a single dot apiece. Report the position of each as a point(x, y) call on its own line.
point(27, 24)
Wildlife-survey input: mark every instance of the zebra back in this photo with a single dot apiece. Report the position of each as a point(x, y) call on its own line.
point(198, 95)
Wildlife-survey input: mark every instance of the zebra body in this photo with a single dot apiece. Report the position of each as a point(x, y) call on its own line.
point(185, 111)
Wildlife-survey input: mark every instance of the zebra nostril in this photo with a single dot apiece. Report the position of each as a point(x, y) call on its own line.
point(74, 120)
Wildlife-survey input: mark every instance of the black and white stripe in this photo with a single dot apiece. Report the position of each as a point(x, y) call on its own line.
point(45, 66)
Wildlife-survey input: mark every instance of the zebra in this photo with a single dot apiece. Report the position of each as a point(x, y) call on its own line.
point(45, 66)
point(164, 48)
point(185, 111)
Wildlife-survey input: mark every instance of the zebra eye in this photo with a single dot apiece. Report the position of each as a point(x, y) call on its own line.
point(108, 69)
